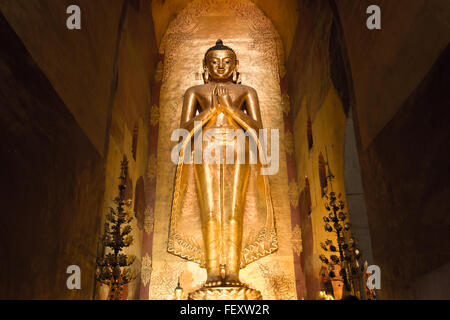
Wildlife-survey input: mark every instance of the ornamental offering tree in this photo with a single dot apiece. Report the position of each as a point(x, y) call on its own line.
point(113, 269)
point(342, 267)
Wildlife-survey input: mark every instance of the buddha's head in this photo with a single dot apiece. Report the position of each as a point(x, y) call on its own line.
point(220, 61)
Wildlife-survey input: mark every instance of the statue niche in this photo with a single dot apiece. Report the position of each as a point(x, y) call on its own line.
point(233, 215)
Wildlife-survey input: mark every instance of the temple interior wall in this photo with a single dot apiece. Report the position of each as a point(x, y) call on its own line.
point(406, 189)
point(53, 189)
point(394, 88)
point(102, 77)
point(69, 58)
point(328, 133)
point(130, 127)
point(284, 17)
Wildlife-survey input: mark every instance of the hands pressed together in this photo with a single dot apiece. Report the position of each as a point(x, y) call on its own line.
point(221, 102)
point(221, 99)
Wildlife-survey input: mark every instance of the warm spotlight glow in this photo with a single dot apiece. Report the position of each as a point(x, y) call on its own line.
point(324, 296)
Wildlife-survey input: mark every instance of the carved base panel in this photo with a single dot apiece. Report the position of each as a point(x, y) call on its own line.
point(235, 292)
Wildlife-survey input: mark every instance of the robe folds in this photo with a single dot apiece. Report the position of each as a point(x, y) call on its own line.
point(185, 240)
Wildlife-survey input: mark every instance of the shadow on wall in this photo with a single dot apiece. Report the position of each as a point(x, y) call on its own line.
point(54, 184)
point(405, 173)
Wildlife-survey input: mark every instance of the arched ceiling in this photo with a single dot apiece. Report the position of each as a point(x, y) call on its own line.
point(283, 14)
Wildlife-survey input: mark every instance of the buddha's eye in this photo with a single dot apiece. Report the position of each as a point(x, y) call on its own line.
point(214, 62)
point(227, 62)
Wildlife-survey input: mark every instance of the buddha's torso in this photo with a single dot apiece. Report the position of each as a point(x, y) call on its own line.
point(237, 94)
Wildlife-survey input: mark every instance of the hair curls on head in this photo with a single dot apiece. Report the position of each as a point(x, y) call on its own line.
point(219, 46)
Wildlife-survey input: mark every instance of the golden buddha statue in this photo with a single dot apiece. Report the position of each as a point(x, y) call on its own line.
point(225, 221)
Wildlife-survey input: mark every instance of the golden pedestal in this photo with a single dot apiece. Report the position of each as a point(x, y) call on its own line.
point(220, 291)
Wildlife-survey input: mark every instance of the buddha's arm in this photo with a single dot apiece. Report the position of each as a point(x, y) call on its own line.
point(253, 110)
point(190, 106)
point(253, 119)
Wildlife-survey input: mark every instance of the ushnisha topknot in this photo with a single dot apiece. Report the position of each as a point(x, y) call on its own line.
point(219, 46)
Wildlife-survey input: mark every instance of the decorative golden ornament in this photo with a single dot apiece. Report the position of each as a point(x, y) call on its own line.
point(152, 166)
point(289, 143)
point(149, 219)
point(226, 292)
point(154, 115)
point(146, 269)
point(285, 103)
point(296, 240)
point(277, 282)
point(165, 280)
point(263, 34)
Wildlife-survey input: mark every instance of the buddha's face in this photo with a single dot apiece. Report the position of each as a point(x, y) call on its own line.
point(221, 64)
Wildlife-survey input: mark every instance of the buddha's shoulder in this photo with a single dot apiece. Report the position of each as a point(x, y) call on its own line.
point(246, 89)
point(199, 89)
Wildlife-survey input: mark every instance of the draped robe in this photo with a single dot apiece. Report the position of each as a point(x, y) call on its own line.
point(185, 240)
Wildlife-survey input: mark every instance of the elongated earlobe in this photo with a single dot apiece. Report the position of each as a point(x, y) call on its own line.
point(235, 76)
point(205, 75)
